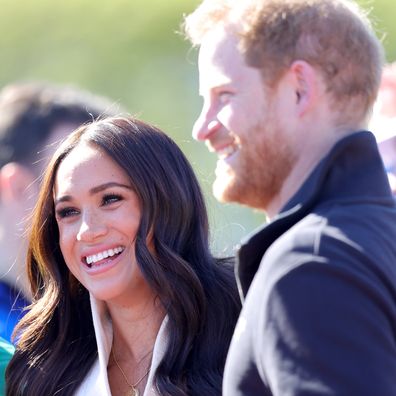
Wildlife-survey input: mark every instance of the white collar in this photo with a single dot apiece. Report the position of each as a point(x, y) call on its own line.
point(96, 382)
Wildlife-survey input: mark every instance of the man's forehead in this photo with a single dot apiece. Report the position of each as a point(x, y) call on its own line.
point(219, 59)
point(218, 46)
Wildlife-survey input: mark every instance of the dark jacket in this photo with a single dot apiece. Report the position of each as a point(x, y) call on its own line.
point(319, 282)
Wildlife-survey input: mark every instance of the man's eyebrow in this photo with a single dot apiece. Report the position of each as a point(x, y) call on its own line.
point(94, 190)
point(217, 86)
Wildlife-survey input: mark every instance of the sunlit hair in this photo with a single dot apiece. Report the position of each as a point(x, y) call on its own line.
point(56, 342)
point(335, 36)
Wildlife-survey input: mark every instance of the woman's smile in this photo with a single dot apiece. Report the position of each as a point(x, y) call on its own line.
point(93, 260)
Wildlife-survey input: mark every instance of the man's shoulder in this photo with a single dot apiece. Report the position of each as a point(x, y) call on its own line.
point(319, 263)
point(356, 238)
point(347, 224)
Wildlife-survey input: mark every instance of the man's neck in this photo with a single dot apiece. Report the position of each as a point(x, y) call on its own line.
point(312, 152)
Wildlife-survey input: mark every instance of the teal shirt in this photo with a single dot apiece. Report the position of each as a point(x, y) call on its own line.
point(6, 352)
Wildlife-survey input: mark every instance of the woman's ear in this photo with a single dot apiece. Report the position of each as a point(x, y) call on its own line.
point(150, 241)
point(14, 182)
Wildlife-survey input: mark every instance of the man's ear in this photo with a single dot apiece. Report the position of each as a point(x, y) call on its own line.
point(14, 182)
point(305, 80)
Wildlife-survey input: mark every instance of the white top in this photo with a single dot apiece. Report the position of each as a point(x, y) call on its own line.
point(96, 383)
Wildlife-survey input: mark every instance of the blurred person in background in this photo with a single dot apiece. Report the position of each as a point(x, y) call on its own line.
point(288, 87)
point(6, 352)
point(383, 122)
point(127, 297)
point(34, 117)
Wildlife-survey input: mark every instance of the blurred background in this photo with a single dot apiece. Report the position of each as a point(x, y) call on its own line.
point(131, 52)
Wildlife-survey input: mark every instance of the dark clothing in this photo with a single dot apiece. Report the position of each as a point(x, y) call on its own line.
point(319, 316)
point(12, 303)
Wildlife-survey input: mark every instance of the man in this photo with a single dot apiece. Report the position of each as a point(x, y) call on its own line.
point(34, 117)
point(383, 122)
point(288, 87)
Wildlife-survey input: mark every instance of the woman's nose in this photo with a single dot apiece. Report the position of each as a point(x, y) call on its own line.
point(91, 227)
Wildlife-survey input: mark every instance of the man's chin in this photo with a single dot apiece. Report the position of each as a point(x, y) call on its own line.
point(225, 191)
point(229, 191)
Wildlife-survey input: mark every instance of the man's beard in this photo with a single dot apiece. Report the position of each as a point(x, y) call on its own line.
point(262, 166)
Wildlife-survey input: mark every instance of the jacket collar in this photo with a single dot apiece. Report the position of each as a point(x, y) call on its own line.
point(351, 172)
point(96, 382)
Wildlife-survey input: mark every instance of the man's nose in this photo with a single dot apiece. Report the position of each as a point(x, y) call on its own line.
point(206, 124)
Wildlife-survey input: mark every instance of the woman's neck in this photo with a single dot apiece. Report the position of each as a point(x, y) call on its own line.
point(135, 327)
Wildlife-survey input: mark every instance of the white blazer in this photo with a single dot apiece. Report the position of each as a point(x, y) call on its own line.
point(96, 383)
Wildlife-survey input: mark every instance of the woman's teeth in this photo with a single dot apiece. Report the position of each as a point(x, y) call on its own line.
point(102, 255)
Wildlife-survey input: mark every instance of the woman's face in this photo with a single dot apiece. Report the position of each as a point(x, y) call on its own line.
point(98, 215)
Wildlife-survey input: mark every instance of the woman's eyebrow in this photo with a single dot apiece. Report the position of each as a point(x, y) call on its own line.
point(93, 190)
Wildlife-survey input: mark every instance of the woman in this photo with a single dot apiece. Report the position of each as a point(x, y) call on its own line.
point(120, 229)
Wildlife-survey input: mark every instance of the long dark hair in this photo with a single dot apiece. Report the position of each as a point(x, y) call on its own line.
point(56, 341)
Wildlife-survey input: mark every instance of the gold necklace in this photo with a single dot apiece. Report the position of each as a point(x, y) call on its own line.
point(133, 391)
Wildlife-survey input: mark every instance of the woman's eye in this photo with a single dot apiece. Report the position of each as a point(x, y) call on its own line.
point(66, 212)
point(111, 198)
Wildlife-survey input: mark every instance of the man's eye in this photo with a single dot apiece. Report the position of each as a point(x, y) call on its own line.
point(110, 198)
point(224, 97)
point(66, 212)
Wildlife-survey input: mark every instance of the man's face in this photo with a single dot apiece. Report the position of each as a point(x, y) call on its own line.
point(23, 187)
point(242, 122)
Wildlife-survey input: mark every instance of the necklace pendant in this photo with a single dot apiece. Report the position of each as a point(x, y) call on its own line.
point(133, 392)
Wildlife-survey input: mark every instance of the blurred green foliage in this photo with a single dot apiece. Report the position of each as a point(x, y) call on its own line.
point(382, 13)
point(129, 50)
